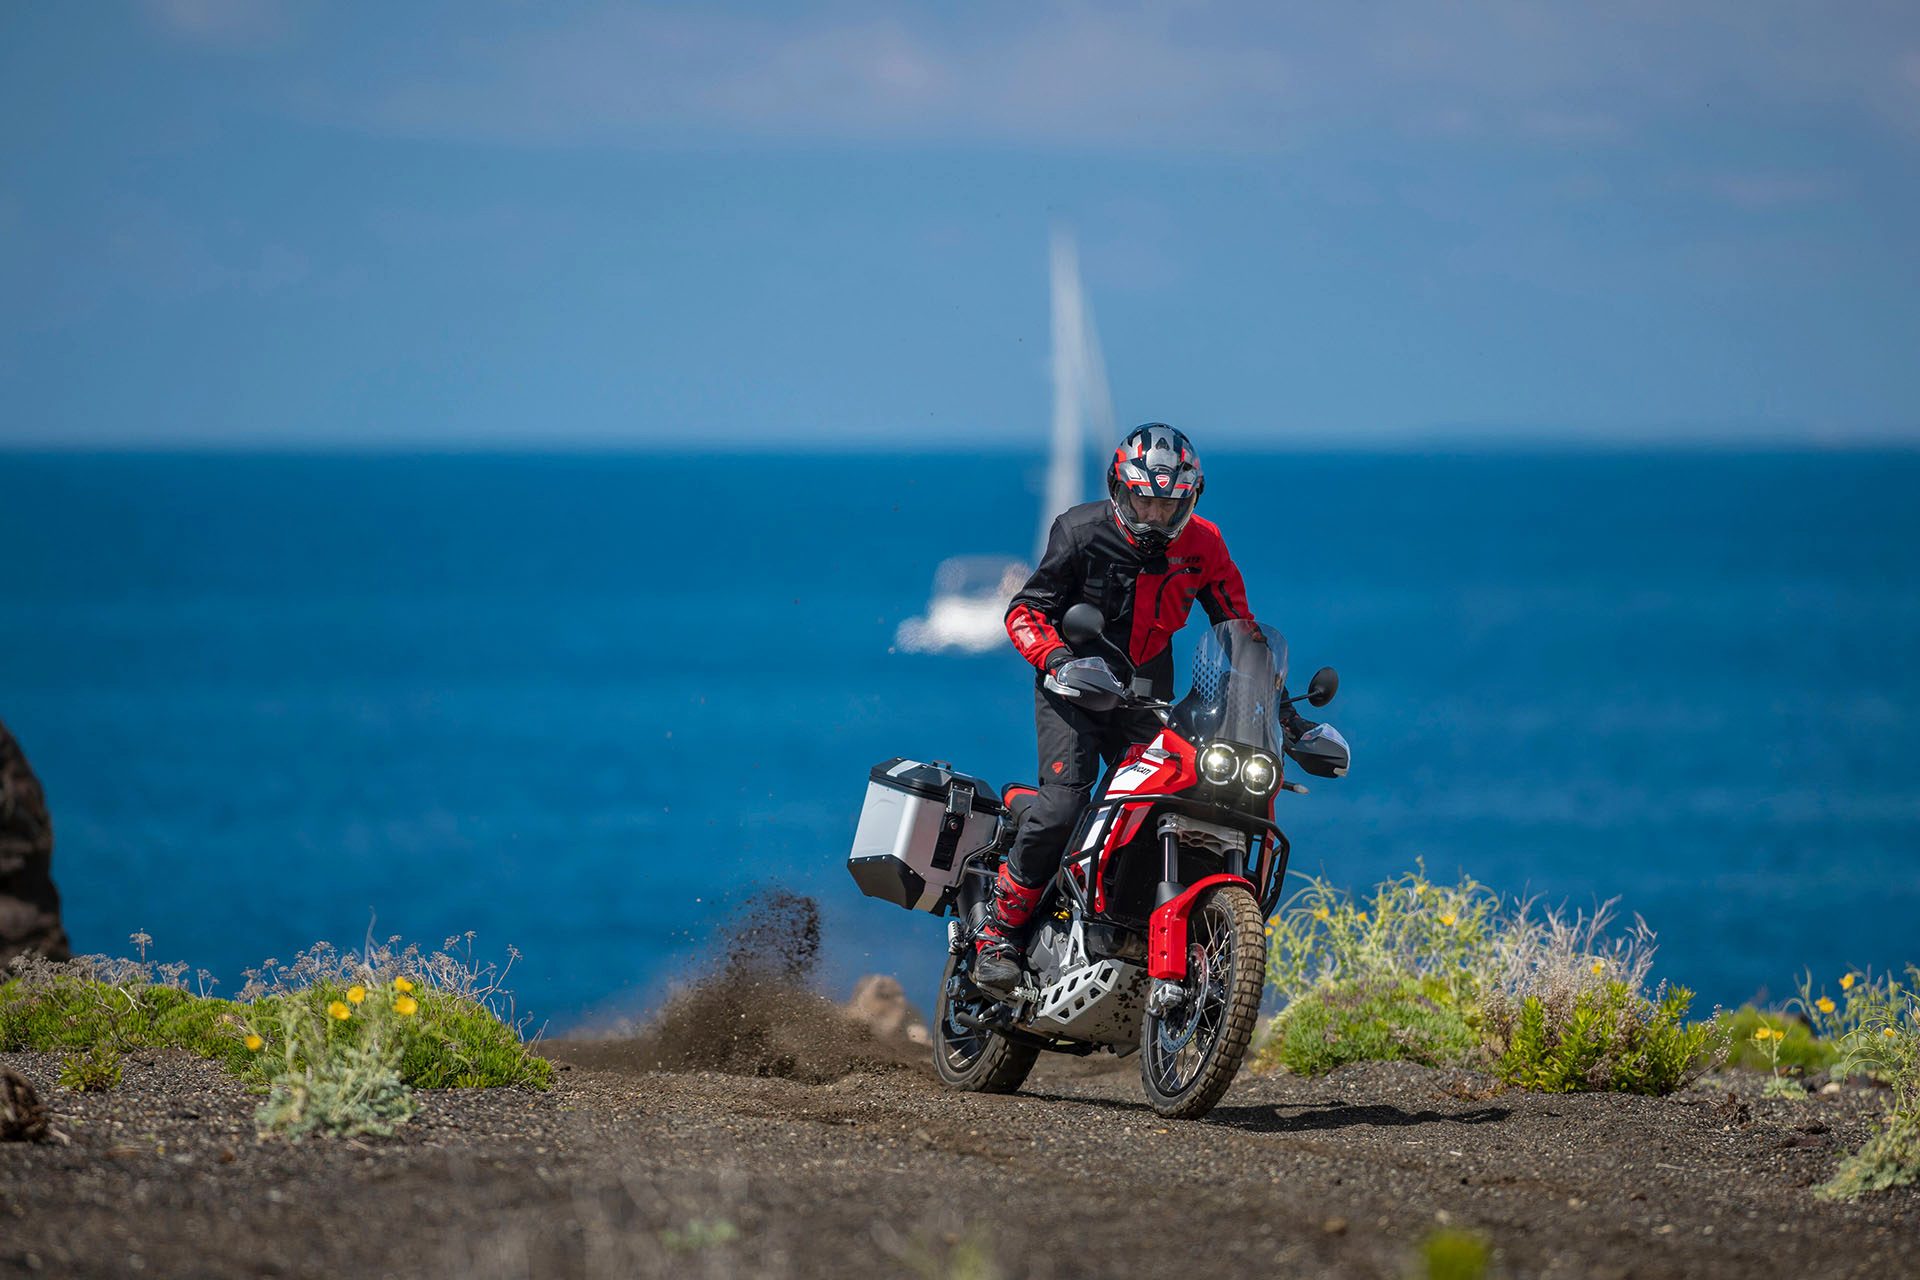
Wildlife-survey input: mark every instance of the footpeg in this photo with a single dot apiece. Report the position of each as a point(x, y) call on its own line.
point(956, 938)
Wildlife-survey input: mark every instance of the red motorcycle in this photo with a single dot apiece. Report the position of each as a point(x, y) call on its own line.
point(1152, 937)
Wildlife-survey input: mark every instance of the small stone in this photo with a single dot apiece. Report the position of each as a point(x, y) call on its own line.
point(23, 1117)
point(1334, 1226)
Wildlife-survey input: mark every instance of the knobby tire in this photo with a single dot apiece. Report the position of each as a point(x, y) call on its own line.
point(1241, 1009)
point(1000, 1066)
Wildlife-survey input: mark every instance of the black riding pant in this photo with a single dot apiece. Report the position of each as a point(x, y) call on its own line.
point(1073, 743)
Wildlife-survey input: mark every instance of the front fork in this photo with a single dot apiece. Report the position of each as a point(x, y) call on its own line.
point(1167, 928)
point(1168, 993)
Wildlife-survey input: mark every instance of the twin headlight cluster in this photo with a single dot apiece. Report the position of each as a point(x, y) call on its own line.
point(1222, 762)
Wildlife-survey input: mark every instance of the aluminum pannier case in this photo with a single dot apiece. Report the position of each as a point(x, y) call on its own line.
point(919, 823)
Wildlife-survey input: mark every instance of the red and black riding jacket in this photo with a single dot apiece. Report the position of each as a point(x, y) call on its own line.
point(1145, 598)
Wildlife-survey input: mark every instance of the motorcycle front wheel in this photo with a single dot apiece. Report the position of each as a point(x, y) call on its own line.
point(966, 1057)
point(1189, 1055)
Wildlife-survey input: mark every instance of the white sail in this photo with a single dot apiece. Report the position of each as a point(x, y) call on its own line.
point(1080, 394)
point(970, 593)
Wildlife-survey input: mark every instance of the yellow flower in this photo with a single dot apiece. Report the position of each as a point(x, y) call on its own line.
point(1823, 1004)
point(1448, 919)
point(355, 994)
point(1599, 967)
point(401, 984)
point(1846, 982)
point(254, 1042)
point(406, 1006)
point(1765, 1034)
point(1888, 1032)
point(339, 1011)
point(1420, 888)
point(1269, 931)
point(1321, 913)
point(1361, 916)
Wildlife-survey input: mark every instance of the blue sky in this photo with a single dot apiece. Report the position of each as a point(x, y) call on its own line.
point(516, 224)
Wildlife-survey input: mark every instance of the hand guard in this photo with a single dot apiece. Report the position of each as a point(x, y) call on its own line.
point(1088, 683)
point(1322, 752)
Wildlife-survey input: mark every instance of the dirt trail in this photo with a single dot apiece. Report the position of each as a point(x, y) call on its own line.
point(752, 1128)
point(880, 1172)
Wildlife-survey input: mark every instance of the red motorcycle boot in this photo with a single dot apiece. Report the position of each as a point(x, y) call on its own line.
point(1002, 940)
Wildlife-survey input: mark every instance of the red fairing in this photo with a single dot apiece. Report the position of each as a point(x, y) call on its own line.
point(1167, 928)
point(1171, 776)
point(1032, 634)
point(1198, 568)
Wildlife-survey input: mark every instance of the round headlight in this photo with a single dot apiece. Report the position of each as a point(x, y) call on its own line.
point(1258, 773)
point(1218, 764)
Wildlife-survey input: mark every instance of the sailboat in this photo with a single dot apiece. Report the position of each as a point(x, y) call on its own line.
point(967, 611)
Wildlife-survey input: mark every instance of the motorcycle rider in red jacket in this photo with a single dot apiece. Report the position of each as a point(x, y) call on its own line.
point(1142, 558)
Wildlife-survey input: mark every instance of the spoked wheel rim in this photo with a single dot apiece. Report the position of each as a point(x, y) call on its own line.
point(1180, 1042)
point(961, 1046)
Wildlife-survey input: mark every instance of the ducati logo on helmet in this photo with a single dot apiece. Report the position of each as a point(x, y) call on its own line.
point(1161, 480)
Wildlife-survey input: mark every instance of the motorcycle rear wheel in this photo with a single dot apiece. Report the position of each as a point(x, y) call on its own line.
point(970, 1060)
point(1189, 1056)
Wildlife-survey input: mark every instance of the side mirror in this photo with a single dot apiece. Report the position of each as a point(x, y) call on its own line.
point(1320, 689)
point(1082, 624)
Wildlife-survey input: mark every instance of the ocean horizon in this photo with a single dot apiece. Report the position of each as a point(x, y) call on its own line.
point(280, 697)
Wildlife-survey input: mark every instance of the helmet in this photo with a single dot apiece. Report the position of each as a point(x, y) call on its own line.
point(1154, 461)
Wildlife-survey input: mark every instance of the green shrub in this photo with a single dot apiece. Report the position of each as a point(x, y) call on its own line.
point(1800, 1052)
point(1455, 1255)
point(1877, 1032)
point(1410, 927)
point(413, 1021)
point(335, 1064)
point(1562, 1000)
point(1890, 1158)
point(1610, 1039)
point(93, 1069)
point(448, 1042)
point(72, 1010)
point(699, 1234)
point(1370, 1020)
point(455, 1042)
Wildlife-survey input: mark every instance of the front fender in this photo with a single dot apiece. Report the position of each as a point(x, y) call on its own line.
point(1167, 927)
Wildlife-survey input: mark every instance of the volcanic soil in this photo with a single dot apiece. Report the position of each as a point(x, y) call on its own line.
point(754, 1128)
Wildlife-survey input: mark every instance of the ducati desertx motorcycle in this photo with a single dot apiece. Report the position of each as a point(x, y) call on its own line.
point(1151, 937)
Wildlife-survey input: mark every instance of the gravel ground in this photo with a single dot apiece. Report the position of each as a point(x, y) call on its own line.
point(623, 1169)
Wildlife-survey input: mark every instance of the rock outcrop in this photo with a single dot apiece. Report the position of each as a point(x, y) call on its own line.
point(29, 904)
point(880, 1002)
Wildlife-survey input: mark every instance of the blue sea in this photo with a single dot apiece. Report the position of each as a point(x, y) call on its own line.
point(582, 705)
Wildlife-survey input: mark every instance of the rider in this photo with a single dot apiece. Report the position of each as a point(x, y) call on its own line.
point(1141, 557)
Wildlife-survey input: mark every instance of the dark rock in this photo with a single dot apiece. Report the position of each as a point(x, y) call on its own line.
point(23, 1117)
point(29, 904)
point(1734, 1111)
